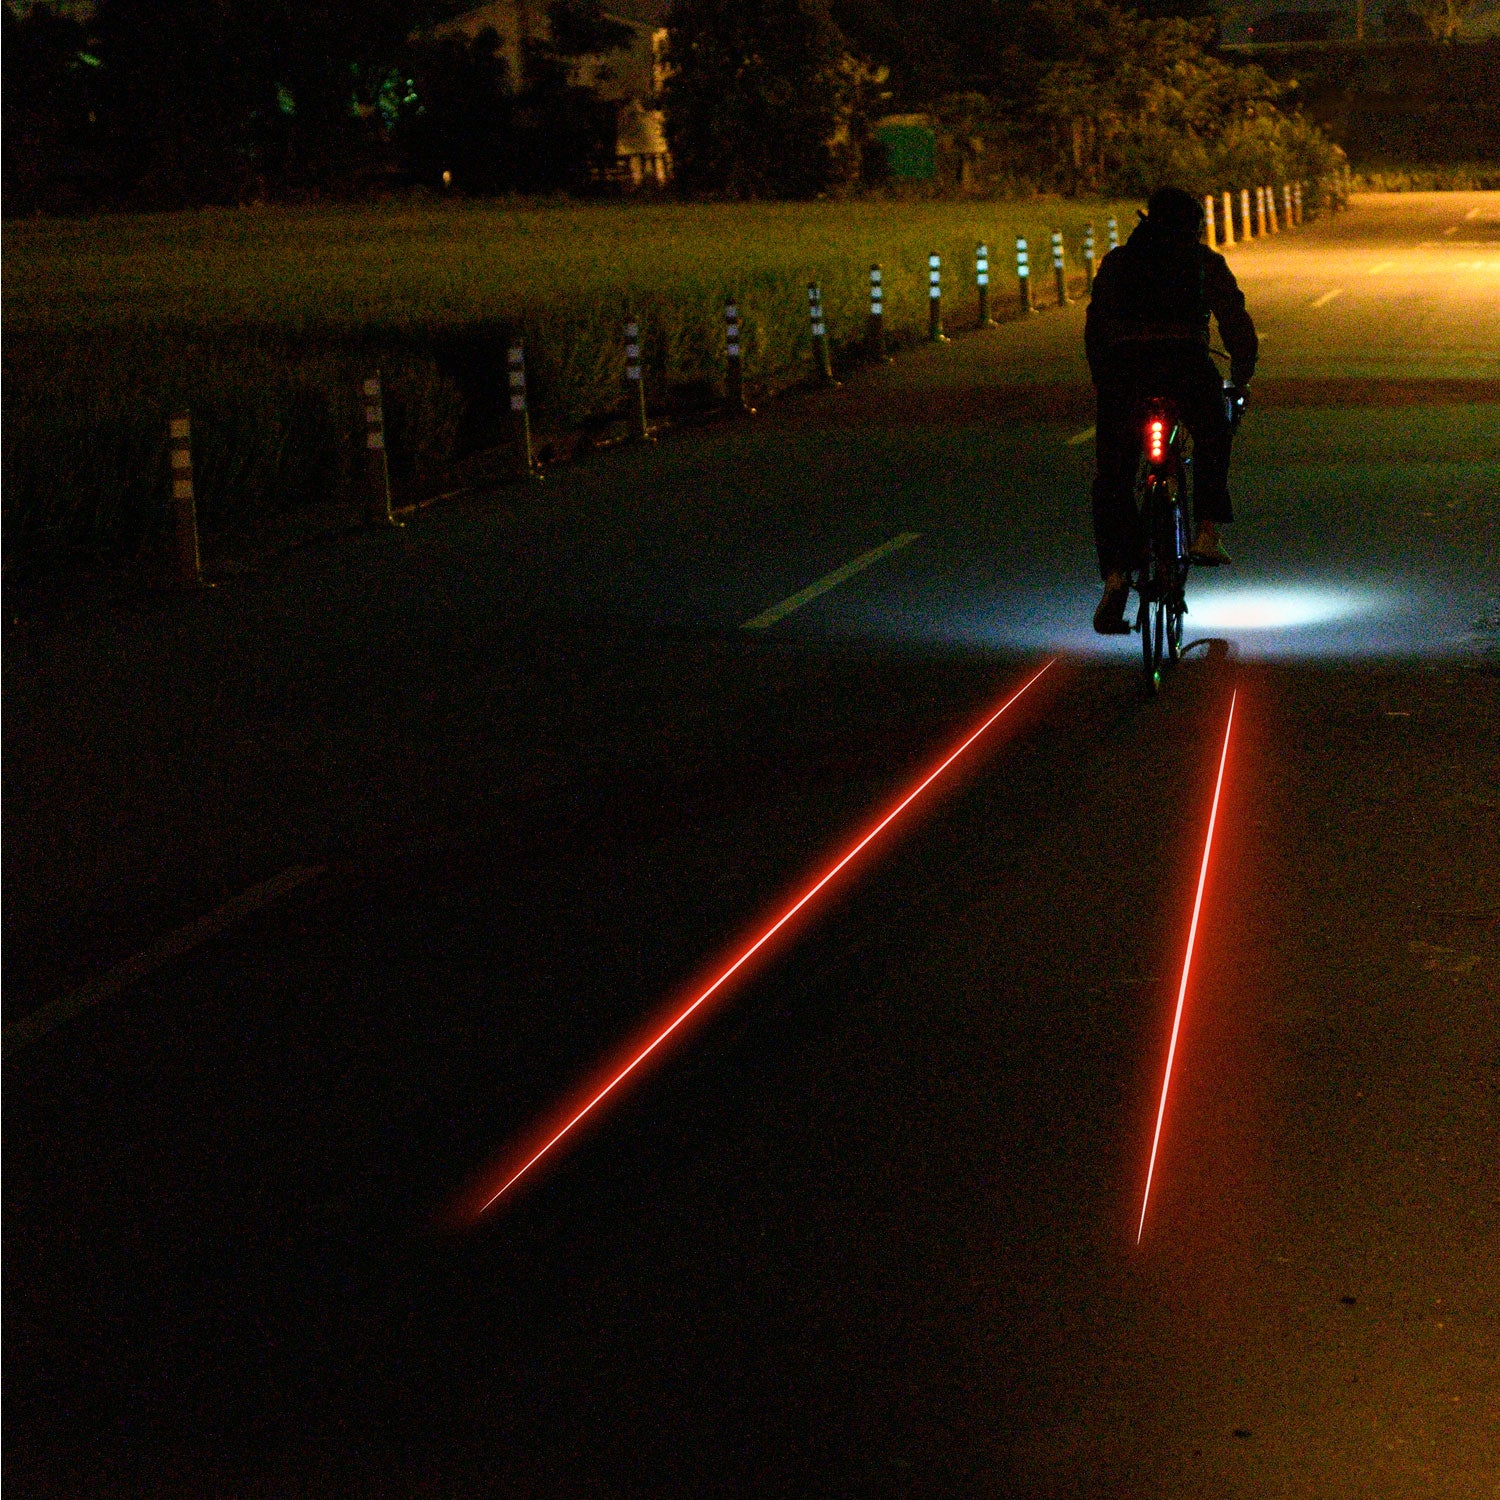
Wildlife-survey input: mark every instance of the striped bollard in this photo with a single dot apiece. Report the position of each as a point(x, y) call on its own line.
point(1286, 205)
point(520, 413)
point(1088, 258)
point(1023, 275)
point(1297, 202)
point(640, 427)
point(1114, 234)
point(875, 330)
point(1247, 229)
point(982, 281)
point(819, 333)
point(377, 464)
point(935, 332)
point(1226, 230)
point(734, 369)
point(1260, 213)
point(184, 501)
point(1271, 210)
point(1208, 222)
point(1060, 270)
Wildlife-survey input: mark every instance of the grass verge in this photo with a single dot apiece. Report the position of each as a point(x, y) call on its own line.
point(262, 321)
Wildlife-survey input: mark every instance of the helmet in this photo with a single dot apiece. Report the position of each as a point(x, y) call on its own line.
point(1176, 211)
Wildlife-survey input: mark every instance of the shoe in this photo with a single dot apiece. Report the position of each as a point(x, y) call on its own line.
point(1208, 551)
point(1109, 618)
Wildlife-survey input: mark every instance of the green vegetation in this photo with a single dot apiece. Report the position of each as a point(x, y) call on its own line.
point(262, 321)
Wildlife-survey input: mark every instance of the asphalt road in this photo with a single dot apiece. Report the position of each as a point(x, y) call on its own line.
point(869, 1226)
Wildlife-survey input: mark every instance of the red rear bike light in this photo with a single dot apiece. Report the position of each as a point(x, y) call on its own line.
point(1156, 432)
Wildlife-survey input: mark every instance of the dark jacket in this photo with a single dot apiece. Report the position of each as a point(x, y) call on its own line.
point(1159, 288)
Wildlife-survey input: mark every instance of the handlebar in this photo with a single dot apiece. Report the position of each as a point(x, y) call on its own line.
point(1236, 398)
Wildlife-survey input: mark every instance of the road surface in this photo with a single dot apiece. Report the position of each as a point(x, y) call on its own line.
point(869, 1225)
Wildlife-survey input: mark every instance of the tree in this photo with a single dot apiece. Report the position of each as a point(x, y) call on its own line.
point(48, 98)
point(762, 99)
point(1443, 18)
point(1131, 103)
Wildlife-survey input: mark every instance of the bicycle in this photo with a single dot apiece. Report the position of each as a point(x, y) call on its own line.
point(1161, 489)
point(1163, 486)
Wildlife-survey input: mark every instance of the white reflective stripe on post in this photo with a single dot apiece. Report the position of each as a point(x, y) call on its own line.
point(181, 458)
point(632, 351)
point(371, 386)
point(179, 427)
point(517, 378)
point(374, 440)
point(182, 489)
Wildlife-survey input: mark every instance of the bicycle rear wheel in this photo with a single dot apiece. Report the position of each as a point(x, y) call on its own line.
point(1150, 639)
point(1174, 630)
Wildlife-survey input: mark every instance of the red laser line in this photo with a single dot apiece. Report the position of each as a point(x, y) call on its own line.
point(760, 942)
point(1187, 965)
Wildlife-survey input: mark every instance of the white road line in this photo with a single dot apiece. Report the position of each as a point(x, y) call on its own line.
point(174, 945)
point(1384, 265)
point(1327, 297)
point(1080, 438)
point(832, 581)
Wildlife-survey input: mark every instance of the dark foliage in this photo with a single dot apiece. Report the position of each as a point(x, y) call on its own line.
point(763, 98)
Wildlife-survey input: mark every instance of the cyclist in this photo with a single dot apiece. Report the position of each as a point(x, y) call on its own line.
point(1146, 334)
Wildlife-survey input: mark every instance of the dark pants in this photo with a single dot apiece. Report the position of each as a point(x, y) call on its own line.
point(1186, 376)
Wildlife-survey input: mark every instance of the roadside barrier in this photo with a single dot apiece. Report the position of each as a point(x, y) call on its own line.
point(377, 468)
point(635, 383)
point(734, 370)
point(1276, 207)
point(1060, 270)
point(819, 333)
point(184, 501)
point(935, 332)
point(875, 330)
point(520, 414)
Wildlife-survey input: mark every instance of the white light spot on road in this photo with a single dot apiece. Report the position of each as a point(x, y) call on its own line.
point(1231, 607)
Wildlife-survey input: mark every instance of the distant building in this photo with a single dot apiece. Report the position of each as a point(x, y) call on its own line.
point(631, 79)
